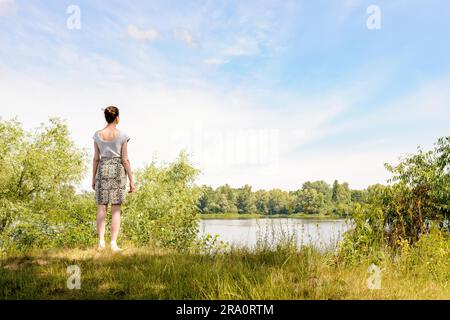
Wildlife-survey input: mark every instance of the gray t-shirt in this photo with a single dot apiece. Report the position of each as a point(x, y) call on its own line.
point(111, 148)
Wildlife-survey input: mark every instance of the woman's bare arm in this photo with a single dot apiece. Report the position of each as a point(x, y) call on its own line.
point(95, 162)
point(126, 165)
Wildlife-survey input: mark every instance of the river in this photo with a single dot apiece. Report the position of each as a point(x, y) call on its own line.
point(249, 232)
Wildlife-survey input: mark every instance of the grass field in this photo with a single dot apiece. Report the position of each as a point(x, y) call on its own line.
point(152, 273)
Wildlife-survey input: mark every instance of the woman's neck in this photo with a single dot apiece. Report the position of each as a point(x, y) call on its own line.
point(111, 125)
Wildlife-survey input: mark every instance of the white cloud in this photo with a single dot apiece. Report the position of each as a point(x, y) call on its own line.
point(184, 35)
point(427, 103)
point(243, 47)
point(216, 61)
point(211, 122)
point(7, 6)
point(146, 35)
point(163, 118)
point(352, 3)
point(430, 101)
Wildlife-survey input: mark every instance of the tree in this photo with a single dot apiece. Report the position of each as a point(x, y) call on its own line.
point(226, 199)
point(341, 193)
point(207, 203)
point(416, 201)
point(33, 165)
point(262, 202)
point(321, 187)
point(357, 196)
point(374, 192)
point(38, 172)
point(309, 201)
point(421, 190)
point(335, 191)
point(279, 202)
point(245, 200)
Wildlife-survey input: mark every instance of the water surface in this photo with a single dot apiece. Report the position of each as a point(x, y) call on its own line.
point(248, 232)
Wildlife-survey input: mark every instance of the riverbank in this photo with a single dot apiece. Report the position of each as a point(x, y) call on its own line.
point(263, 216)
point(152, 273)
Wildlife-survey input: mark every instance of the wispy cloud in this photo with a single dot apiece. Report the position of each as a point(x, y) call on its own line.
point(352, 3)
point(7, 6)
point(186, 36)
point(243, 47)
point(337, 115)
point(429, 102)
point(216, 61)
point(146, 35)
point(203, 121)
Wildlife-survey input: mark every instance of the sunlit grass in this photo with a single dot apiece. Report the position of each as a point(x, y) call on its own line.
point(152, 273)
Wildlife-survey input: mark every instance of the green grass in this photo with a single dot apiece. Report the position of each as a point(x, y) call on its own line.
point(152, 273)
point(257, 216)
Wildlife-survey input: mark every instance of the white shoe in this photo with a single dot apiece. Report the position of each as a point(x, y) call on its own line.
point(101, 245)
point(115, 248)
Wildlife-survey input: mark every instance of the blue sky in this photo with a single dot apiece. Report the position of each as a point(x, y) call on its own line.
point(270, 93)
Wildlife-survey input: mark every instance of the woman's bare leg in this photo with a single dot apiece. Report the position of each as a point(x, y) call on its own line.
point(101, 222)
point(115, 224)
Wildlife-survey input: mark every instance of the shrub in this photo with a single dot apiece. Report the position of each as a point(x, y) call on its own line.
point(37, 172)
point(164, 208)
point(403, 212)
point(420, 194)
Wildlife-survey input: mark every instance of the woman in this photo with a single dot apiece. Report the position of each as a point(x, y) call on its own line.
point(110, 170)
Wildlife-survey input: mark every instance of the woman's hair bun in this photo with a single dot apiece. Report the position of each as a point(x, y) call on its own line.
point(111, 113)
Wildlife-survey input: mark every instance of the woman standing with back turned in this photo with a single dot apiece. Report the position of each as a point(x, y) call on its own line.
point(110, 170)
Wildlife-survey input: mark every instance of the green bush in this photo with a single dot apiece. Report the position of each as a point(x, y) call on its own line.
point(164, 208)
point(431, 252)
point(416, 201)
point(38, 170)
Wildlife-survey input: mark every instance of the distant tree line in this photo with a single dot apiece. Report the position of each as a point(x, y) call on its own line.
point(316, 197)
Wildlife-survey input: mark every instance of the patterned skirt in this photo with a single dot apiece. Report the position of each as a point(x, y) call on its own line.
point(110, 181)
